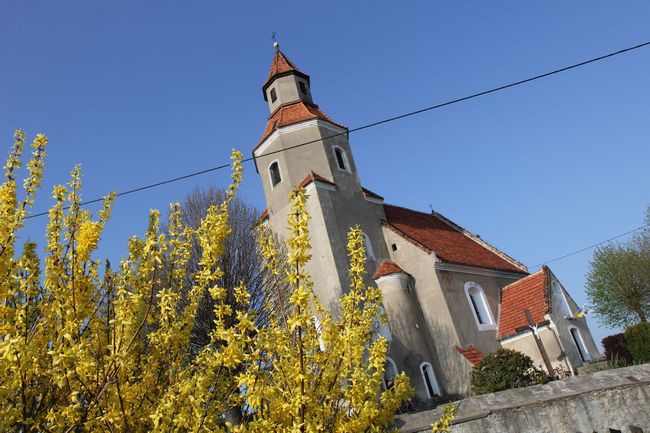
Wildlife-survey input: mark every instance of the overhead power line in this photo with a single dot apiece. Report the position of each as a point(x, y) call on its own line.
point(371, 125)
point(590, 247)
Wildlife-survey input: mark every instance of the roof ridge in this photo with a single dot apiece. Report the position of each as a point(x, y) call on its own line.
point(522, 279)
point(480, 241)
point(468, 234)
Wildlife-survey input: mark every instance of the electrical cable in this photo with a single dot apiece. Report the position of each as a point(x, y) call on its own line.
point(589, 247)
point(369, 125)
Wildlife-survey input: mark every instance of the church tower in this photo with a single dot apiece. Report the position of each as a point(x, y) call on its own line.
point(303, 146)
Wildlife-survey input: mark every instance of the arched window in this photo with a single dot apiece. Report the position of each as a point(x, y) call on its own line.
point(274, 173)
point(370, 254)
point(429, 379)
point(479, 306)
point(580, 344)
point(341, 158)
point(390, 371)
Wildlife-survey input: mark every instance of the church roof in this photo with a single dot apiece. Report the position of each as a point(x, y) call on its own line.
point(290, 114)
point(450, 242)
point(387, 268)
point(532, 293)
point(472, 354)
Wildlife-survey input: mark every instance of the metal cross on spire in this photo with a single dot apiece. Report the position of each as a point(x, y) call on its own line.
point(276, 44)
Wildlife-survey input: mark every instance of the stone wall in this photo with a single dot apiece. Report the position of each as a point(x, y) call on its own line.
point(602, 402)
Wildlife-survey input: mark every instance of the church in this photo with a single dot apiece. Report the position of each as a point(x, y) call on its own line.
point(449, 296)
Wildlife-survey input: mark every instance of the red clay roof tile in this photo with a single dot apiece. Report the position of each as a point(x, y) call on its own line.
point(289, 114)
point(532, 293)
point(280, 65)
point(263, 216)
point(472, 354)
point(311, 177)
point(387, 268)
point(449, 242)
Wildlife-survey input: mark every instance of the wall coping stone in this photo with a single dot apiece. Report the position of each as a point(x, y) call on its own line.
point(481, 406)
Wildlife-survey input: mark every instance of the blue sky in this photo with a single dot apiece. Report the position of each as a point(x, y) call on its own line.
point(142, 91)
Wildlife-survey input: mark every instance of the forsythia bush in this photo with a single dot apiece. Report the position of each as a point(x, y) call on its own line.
point(86, 348)
point(443, 425)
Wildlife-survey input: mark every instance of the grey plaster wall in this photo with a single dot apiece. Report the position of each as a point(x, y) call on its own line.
point(561, 301)
point(446, 311)
point(287, 90)
point(525, 343)
point(450, 368)
point(613, 399)
point(461, 310)
point(410, 345)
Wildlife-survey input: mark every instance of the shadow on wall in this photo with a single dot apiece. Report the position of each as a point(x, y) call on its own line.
point(451, 373)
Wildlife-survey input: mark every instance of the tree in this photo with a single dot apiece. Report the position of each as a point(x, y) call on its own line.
point(618, 285)
point(86, 348)
point(641, 240)
point(241, 262)
point(505, 369)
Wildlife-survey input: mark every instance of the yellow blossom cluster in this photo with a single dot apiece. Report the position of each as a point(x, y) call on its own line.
point(85, 347)
point(443, 424)
point(320, 373)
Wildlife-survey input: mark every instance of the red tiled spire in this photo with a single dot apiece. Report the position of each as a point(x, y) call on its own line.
point(280, 65)
point(290, 111)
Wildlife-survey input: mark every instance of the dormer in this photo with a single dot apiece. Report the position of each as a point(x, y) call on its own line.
point(285, 83)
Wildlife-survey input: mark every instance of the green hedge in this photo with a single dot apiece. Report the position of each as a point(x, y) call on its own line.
point(638, 341)
point(505, 369)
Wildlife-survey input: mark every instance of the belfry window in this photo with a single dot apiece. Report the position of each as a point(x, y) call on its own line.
point(478, 303)
point(274, 96)
point(274, 173)
point(303, 87)
point(341, 158)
